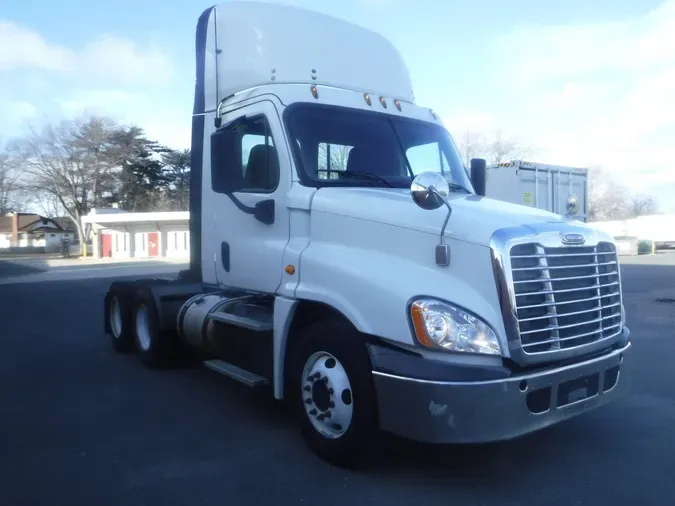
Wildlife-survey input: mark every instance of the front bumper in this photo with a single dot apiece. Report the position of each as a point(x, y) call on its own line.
point(499, 409)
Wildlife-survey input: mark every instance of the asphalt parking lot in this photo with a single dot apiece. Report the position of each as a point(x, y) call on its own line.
point(80, 425)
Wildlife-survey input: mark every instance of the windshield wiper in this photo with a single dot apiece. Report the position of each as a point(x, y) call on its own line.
point(366, 175)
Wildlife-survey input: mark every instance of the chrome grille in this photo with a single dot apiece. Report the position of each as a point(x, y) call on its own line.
point(565, 297)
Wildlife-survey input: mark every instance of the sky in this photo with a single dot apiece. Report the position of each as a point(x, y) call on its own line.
point(583, 82)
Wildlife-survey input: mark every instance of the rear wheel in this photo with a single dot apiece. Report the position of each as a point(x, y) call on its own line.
point(155, 347)
point(119, 318)
point(333, 394)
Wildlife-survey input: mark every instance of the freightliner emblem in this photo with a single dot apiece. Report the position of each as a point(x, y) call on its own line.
point(572, 239)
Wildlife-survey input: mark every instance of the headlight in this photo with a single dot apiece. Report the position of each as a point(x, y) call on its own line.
point(440, 325)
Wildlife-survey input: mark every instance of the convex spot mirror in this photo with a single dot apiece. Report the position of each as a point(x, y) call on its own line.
point(572, 204)
point(426, 188)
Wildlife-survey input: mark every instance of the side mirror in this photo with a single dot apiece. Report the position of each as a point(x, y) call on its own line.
point(572, 204)
point(226, 173)
point(426, 188)
point(479, 175)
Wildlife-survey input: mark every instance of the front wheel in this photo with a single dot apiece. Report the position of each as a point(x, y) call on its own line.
point(332, 390)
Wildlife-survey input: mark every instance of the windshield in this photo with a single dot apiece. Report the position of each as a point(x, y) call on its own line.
point(338, 146)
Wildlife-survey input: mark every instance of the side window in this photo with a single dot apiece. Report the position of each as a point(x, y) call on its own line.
point(244, 157)
point(259, 159)
point(332, 160)
point(427, 157)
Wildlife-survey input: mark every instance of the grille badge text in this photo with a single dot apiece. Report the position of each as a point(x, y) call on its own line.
point(572, 239)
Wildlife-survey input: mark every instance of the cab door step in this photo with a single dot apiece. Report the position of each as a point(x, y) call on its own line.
point(248, 378)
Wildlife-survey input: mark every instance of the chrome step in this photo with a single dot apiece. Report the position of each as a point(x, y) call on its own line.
point(237, 373)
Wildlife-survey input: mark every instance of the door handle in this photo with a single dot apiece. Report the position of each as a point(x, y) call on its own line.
point(225, 255)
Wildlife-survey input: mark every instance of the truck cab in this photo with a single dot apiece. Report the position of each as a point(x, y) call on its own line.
point(344, 257)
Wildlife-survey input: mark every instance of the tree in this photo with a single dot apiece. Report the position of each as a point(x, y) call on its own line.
point(470, 146)
point(11, 198)
point(333, 158)
point(495, 148)
point(610, 200)
point(139, 180)
point(502, 149)
point(177, 174)
point(48, 204)
point(642, 205)
point(70, 163)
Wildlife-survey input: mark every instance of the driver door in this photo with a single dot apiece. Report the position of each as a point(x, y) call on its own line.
point(251, 224)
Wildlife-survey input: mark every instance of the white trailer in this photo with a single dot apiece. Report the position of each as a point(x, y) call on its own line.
point(554, 188)
point(383, 293)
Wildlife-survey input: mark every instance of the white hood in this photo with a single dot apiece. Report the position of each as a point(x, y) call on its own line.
point(474, 219)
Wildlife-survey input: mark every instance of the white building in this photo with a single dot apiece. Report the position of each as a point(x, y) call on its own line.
point(33, 232)
point(120, 234)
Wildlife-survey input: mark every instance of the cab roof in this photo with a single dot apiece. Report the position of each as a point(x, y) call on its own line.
point(241, 45)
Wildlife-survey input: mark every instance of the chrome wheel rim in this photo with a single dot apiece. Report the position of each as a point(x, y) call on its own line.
point(327, 395)
point(116, 317)
point(143, 327)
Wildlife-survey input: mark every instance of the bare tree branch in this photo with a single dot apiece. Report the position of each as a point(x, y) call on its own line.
point(66, 164)
point(642, 205)
point(495, 148)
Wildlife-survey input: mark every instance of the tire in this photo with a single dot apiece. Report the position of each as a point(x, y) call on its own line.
point(118, 317)
point(156, 349)
point(341, 361)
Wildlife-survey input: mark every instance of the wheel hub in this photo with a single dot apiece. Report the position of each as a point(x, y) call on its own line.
point(327, 395)
point(321, 395)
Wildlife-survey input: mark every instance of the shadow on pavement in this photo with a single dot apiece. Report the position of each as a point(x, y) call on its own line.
point(9, 269)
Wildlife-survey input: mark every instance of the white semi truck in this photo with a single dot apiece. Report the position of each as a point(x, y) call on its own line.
point(342, 257)
point(555, 188)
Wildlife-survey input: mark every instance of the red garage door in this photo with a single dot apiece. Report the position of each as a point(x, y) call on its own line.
point(106, 245)
point(153, 244)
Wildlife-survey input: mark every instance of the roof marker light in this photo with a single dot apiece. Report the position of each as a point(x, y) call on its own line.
point(315, 92)
point(367, 97)
point(383, 102)
point(397, 103)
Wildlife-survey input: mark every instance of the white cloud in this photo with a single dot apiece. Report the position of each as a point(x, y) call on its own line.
point(109, 76)
point(19, 111)
point(568, 51)
point(108, 59)
point(170, 126)
point(457, 123)
point(14, 116)
point(594, 94)
point(20, 47)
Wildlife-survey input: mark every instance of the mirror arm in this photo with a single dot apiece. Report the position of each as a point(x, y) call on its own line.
point(447, 204)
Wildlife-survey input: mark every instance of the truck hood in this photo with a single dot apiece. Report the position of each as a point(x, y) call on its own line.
point(474, 219)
